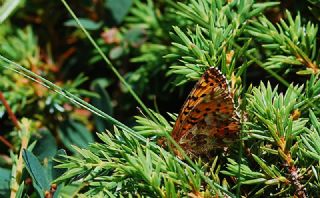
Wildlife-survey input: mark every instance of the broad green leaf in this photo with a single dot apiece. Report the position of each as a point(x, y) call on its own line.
point(74, 133)
point(118, 9)
point(46, 146)
point(5, 175)
point(135, 36)
point(103, 103)
point(87, 24)
point(116, 52)
point(36, 171)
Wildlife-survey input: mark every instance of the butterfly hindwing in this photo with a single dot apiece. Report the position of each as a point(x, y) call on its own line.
point(208, 115)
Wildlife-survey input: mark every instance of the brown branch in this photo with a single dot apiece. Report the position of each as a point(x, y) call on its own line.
point(294, 178)
point(6, 142)
point(10, 113)
point(24, 143)
point(302, 57)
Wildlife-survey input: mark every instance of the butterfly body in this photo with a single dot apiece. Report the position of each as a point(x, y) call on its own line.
point(208, 118)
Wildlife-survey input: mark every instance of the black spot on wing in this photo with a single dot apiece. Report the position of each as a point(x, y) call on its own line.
point(193, 118)
point(191, 122)
point(206, 77)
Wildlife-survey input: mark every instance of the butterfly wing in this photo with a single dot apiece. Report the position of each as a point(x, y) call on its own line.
point(208, 116)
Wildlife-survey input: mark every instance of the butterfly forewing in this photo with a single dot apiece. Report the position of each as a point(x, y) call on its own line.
point(208, 116)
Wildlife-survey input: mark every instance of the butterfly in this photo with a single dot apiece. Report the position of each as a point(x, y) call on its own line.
point(208, 119)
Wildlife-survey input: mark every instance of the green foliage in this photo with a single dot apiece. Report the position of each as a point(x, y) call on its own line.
point(7, 7)
point(310, 139)
point(121, 165)
point(40, 180)
point(22, 47)
point(289, 44)
point(211, 41)
point(152, 46)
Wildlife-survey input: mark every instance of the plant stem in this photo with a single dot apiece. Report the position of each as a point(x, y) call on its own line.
point(294, 175)
point(19, 164)
point(10, 113)
point(6, 142)
point(111, 66)
point(11, 116)
point(24, 144)
point(76, 100)
point(294, 178)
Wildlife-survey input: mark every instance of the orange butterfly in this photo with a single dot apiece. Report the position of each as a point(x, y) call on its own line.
point(208, 118)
